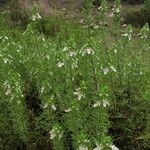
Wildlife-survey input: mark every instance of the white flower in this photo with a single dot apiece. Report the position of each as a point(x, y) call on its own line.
point(105, 71)
point(129, 64)
point(60, 135)
point(111, 14)
point(86, 141)
point(52, 136)
point(141, 73)
point(125, 34)
point(115, 51)
point(56, 132)
point(128, 35)
point(43, 39)
point(74, 65)
point(12, 97)
point(35, 17)
point(129, 38)
point(6, 60)
point(8, 88)
point(113, 147)
point(98, 103)
point(51, 73)
point(53, 107)
point(144, 36)
point(124, 25)
point(60, 64)
point(6, 37)
point(42, 89)
point(83, 147)
point(6, 83)
point(8, 92)
point(18, 102)
point(81, 21)
point(96, 27)
point(99, 8)
point(88, 51)
point(53, 133)
point(105, 103)
point(113, 68)
point(68, 110)
point(45, 106)
point(65, 49)
point(47, 56)
point(117, 10)
point(85, 27)
point(72, 53)
point(38, 16)
point(13, 43)
point(78, 93)
point(98, 148)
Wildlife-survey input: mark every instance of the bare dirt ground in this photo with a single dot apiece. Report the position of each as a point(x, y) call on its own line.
point(53, 7)
point(69, 8)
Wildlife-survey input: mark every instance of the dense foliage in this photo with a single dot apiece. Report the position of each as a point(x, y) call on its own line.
point(4, 1)
point(98, 2)
point(133, 1)
point(83, 88)
point(139, 17)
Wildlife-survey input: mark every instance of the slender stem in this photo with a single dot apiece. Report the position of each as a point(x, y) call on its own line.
point(95, 76)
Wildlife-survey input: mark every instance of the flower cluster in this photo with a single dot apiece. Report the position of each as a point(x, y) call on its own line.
point(103, 103)
point(88, 51)
point(36, 17)
point(144, 32)
point(106, 70)
point(79, 94)
point(56, 132)
point(99, 147)
point(128, 33)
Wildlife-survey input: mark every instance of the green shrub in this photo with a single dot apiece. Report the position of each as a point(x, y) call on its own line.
point(47, 107)
point(49, 26)
point(61, 93)
point(137, 17)
point(129, 98)
point(147, 4)
point(18, 16)
point(96, 2)
point(126, 127)
point(133, 1)
point(4, 2)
